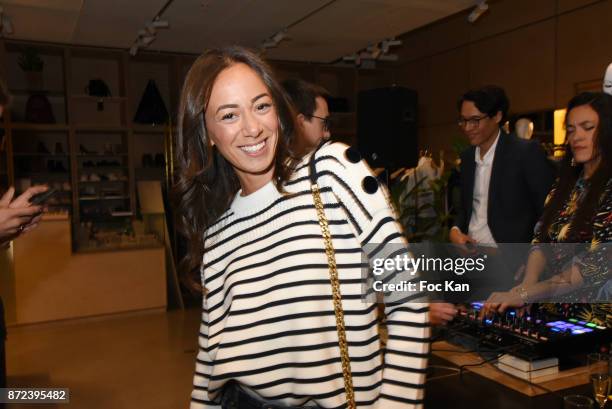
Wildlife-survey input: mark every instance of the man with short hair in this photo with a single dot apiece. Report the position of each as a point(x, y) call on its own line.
point(504, 179)
point(313, 116)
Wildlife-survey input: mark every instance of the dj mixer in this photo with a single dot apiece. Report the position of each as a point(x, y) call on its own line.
point(529, 336)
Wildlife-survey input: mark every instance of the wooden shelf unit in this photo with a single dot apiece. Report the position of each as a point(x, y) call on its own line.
point(65, 79)
point(82, 119)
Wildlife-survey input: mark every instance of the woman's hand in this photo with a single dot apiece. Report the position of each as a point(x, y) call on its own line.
point(500, 301)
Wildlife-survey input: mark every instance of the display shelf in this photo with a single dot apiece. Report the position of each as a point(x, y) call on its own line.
point(42, 155)
point(25, 126)
point(115, 215)
point(56, 175)
point(101, 182)
point(101, 155)
point(99, 128)
point(120, 247)
point(47, 92)
point(90, 98)
point(97, 169)
point(140, 128)
point(53, 216)
point(88, 199)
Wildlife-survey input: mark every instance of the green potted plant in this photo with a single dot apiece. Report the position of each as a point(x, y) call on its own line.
point(31, 63)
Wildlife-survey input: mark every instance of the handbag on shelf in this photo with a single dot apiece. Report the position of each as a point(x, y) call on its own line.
point(98, 88)
point(39, 110)
point(151, 109)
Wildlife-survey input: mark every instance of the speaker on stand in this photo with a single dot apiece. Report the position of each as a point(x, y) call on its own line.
point(387, 127)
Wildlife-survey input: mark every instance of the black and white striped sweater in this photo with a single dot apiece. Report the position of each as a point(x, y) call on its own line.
point(268, 319)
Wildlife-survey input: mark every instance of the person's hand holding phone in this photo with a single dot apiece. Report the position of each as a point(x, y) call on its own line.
point(28, 198)
point(19, 215)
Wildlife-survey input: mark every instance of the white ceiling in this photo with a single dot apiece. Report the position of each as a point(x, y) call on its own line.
point(318, 30)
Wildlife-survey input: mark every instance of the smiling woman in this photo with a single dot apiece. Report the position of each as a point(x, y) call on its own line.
point(284, 322)
point(210, 124)
point(243, 126)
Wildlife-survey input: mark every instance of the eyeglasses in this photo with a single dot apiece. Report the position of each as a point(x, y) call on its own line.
point(326, 122)
point(473, 122)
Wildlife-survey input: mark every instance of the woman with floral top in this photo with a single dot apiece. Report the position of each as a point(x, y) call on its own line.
point(578, 210)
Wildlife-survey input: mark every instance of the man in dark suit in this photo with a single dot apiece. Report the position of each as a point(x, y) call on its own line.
point(504, 179)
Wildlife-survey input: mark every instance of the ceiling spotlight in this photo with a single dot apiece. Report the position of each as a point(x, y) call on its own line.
point(157, 23)
point(150, 28)
point(386, 44)
point(280, 36)
point(146, 40)
point(275, 40)
point(388, 57)
point(375, 51)
point(146, 36)
point(354, 58)
point(479, 10)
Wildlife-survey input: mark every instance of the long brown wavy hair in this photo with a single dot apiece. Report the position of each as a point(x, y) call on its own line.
point(581, 225)
point(205, 181)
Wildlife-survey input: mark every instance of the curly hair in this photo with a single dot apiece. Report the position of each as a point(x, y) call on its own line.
point(205, 181)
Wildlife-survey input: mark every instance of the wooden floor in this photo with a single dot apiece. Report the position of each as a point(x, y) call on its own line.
point(138, 360)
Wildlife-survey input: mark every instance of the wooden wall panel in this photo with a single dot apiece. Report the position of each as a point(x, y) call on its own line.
point(522, 62)
point(453, 33)
point(448, 79)
point(415, 45)
point(508, 15)
point(584, 47)
point(567, 5)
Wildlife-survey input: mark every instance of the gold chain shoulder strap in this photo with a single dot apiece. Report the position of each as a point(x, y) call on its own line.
point(337, 296)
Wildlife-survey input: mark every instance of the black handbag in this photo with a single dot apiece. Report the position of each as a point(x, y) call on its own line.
point(98, 88)
point(151, 109)
point(39, 110)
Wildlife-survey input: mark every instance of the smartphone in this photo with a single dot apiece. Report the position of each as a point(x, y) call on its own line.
point(42, 198)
